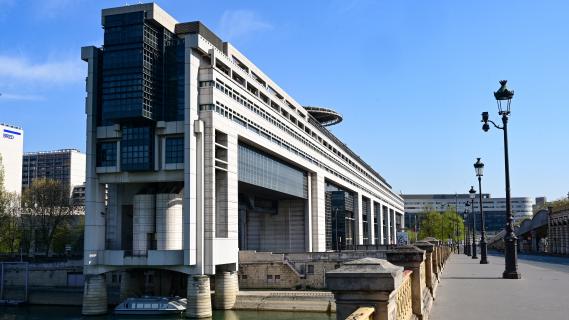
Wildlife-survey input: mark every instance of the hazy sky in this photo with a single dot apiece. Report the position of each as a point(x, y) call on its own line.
point(410, 78)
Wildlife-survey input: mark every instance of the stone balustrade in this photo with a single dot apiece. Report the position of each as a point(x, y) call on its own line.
point(404, 298)
point(400, 288)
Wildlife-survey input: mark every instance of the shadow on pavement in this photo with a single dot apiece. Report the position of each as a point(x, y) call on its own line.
point(462, 278)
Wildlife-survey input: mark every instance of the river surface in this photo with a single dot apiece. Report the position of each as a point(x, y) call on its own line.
point(74, 313)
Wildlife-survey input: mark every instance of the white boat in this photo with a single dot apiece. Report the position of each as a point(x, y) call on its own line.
point(152, 306)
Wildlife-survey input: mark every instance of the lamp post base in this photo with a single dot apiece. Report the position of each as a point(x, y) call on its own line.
point(483, 252)
point(511, 275)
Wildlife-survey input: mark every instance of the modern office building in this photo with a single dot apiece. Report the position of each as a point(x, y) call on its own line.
point(11, 150)
point(193, 153)
point(494, 208)
point(66, 166)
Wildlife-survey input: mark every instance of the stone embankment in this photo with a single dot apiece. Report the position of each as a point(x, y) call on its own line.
point(402, 287)
point(385, 283)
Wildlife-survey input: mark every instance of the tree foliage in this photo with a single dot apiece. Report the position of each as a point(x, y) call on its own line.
point(47, 211)
point(10, 232)
point(441, 225)
point(9, 217)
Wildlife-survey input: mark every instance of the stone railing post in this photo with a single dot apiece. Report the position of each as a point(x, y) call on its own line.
point(429, 265)
point(367, 282)
point(438, 254)
point(412, 258)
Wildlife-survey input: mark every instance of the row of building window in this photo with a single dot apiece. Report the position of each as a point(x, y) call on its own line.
point(232, 93)
point(107, 152)
point(240, 119)
point(226, 70)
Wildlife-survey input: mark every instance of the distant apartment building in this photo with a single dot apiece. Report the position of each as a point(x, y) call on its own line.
point(11, 150)
point(494, 208)
point(66, 166)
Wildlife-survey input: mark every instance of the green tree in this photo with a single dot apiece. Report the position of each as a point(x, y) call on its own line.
point(10, 234)
point(441, 225)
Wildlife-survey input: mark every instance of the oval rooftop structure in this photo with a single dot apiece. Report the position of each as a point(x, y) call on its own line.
point(325, 116)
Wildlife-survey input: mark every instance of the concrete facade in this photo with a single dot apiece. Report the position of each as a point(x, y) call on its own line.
point(66, 166)
point(11, 151)
point(558, 236)
point(231, 109)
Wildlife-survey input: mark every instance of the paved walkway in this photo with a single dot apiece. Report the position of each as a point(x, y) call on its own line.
point(471, 291)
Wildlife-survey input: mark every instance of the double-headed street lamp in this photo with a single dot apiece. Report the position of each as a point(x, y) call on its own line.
point(472, 194)
point(479, 168)
point(503, 99)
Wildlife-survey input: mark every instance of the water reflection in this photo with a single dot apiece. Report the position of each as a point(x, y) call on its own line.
point(74, 313)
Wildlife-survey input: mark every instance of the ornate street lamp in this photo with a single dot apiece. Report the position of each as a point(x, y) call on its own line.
point(479, 168)
point(467, 230)
point(464, 232)
point(472, 194)
point(503, 99)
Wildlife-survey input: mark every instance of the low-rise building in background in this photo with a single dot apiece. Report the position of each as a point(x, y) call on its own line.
point(66, 166)
point(494, 208)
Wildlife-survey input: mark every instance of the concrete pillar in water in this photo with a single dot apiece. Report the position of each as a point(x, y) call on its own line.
point(226, 289)
point(199, 297)
point(94, 295)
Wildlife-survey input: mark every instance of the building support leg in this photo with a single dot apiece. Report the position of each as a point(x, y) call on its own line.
point(94, 295)
point(226, 289)
point(199, 297)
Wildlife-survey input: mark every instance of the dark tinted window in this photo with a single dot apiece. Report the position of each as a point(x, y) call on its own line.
point(175, 150)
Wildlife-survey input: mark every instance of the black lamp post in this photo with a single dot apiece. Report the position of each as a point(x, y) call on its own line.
point(479, 168)
point(503, 99)
point(467, 229)
point(464, 232)
point(472, 193)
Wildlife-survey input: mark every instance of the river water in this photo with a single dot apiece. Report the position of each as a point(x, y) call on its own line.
point(74, 313)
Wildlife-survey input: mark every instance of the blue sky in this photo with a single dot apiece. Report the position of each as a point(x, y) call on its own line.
point(410, 77)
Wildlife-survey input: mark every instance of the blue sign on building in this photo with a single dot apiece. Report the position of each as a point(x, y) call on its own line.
point(9, 134)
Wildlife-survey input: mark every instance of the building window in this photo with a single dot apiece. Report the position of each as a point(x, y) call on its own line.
point(137, 146)
point(175, 150)
point(310, 269)
point(106, 154)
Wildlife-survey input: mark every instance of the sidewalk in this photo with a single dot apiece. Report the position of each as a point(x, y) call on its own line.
point(471, 291)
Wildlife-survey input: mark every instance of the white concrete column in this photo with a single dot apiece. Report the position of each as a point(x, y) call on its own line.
point(94, 242)
point(380, 223)
point(359, 219)
point(168, 221)
point(191, 165)
point(232, 196)
point(372, 219)
point(318, 207)
point(209, 206)
point(308, 226)
point(393, 226)
point(388, 223)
